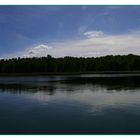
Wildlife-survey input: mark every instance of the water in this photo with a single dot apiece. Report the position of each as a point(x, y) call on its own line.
point(79, 104)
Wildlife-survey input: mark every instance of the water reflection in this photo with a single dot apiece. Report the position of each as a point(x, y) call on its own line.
point(71, 104)
point(96, 92)
point(18, 85)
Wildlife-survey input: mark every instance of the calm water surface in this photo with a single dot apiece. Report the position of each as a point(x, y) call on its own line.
point(80, 104)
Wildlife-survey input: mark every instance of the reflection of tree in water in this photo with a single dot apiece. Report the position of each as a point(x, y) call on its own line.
point(26, 88)
point(110, 83)
point(73, 84)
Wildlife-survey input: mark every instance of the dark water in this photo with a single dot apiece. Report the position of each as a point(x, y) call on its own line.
point(84, 104)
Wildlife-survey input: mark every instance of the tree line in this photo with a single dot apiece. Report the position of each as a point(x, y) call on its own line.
point(69, 64)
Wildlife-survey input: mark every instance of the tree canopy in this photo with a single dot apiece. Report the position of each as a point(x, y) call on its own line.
point(50, 64)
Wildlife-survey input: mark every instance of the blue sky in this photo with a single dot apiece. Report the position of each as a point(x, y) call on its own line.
point(69, 30)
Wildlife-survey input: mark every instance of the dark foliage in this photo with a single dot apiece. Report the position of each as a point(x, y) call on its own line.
point(50, 64)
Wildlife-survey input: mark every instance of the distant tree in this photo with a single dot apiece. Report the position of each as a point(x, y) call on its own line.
point(70, 64)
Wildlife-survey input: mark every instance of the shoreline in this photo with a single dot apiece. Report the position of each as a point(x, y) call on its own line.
point(68, 73)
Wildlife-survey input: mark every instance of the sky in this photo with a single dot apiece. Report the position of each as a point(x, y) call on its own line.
point(80, 31)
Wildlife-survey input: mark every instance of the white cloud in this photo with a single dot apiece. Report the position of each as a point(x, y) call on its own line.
point(92, 34)
point(93, 43)
point(37, 51)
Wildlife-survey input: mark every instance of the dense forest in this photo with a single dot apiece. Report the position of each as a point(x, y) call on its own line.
point(68, 64)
